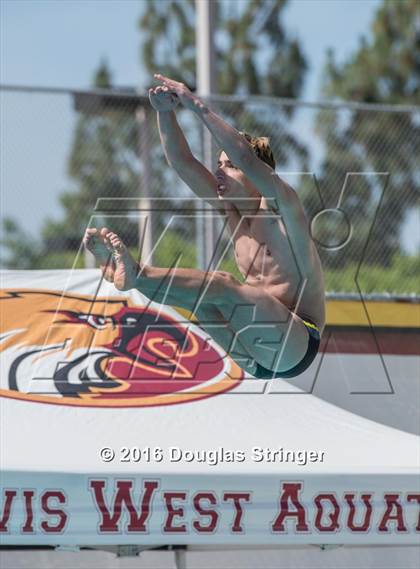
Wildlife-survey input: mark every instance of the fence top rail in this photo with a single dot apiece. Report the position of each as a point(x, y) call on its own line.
point(374, 297)
point(143, 99)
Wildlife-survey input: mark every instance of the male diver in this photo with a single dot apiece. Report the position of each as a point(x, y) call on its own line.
point(271, 323)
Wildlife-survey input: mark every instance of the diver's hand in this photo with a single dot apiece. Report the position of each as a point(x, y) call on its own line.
point(163, 99)
point(188, 100)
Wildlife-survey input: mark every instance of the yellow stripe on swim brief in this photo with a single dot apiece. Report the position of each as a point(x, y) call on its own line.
point(310, 325)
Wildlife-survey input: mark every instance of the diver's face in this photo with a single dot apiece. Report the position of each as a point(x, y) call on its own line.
point(232, 182)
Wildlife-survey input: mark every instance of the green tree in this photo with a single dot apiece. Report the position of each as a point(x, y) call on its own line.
point(254, 56)
point(243, 31)
point(21, 251)
point(384, 69)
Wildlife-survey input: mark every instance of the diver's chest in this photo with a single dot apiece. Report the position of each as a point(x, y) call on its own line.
point(267, 228)
point(266, 238)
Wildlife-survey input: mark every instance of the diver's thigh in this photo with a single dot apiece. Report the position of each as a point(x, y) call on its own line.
point(270, 332)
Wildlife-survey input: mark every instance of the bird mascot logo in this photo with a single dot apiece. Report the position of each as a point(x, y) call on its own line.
point(74, 349)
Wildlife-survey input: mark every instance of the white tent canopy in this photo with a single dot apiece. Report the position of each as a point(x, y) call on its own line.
point(245, 466)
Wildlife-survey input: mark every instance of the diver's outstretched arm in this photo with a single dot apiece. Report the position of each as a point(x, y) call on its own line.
point(265, 179)
point(233, 143)
point(177, 151)
point(282, 197)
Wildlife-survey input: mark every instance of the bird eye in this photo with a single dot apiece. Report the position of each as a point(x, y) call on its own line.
point(98, 322)
point(95, 321)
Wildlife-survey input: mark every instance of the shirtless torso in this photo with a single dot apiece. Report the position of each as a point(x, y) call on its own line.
point(259, 323)
point(265, 259)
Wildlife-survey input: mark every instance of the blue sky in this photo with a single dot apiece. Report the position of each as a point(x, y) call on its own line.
point(53, 43)
point(59, 43)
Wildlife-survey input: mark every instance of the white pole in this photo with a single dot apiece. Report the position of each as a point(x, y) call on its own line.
point(206, 85)
point(205, 60)
point(180, 558)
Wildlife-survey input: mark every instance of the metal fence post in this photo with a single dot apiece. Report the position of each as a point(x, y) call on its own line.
point(146, 223)
point(206, 85)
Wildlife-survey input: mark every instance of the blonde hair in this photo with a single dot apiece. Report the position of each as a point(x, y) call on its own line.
point(261, 147)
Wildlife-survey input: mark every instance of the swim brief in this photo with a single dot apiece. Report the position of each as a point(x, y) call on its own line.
point(313, 345)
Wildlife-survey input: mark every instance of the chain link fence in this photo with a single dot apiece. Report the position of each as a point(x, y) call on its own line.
point(74, 159)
